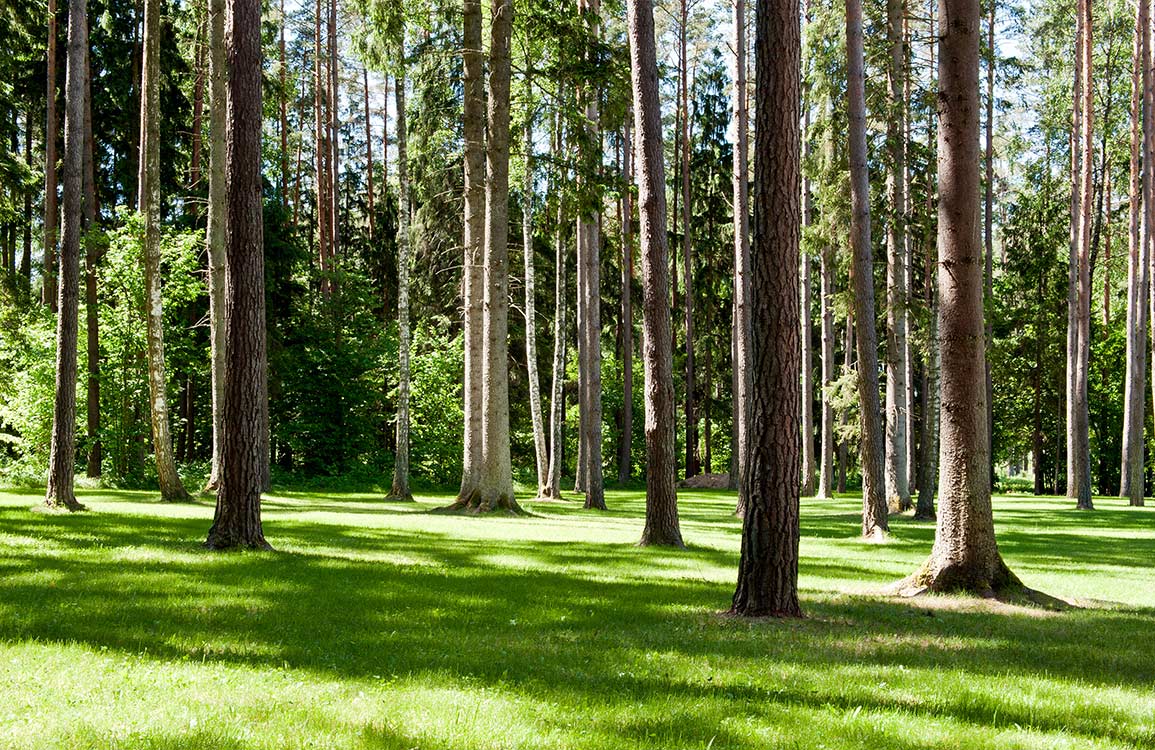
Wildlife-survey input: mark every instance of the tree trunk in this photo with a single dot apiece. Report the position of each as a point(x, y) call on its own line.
point(334, 126)
point(988, 222)
point(245, 455)
point(589, 284)
point(495, 490)
point(897, 487)
point(322, 153)
point(473, 282)
point(26, 258)
point(965, 556)
point(369, 153)
point(552, 489)
point(400, 489)
point(741, 378)
point(826, 472)
point(283, 96)
point(91, 260)
point(662, 527)
point(1138, 283)
point(148, 194)
point(62, 453)
point(1081, 458)
point(1073, 258)
point(51, 213)
point(539, 449)
point(874, 506)
point(768, 568)
point(805, 286)
point(625, 442)
point(691, 409)
point(215, 233)
point(928, 471)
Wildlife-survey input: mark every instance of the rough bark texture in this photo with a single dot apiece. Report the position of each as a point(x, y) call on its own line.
point(693, 461)
point(1072, 260)
point(495, 487)
point(539, 448)
point(742, 382)
point(473, 278)
point(51, 212)
point(1138, 282)
point(874, 508)
point(965, 556)
point(62, 452)
point(91, 309)
point(897, 486)
point(245, 456)
point(1081, 445)
point(400, 489)
point(662, 527)
point(768, 568)
point(625, 443)
point(217, 218)
point(589, 292)
point(148, 193)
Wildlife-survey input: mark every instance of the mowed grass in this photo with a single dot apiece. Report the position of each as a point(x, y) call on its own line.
point(379, 625)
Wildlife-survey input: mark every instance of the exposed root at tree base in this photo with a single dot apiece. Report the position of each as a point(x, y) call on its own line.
point(476, 505)
point(1002, 586)
point(393, 497)
point(877, 535)
point(772, 615)
point(932, 517)
point(237, 545)
point(61, 507)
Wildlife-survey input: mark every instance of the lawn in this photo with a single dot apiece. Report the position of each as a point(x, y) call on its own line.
point(380, 625)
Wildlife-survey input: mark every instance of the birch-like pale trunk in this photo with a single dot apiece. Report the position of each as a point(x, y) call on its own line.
point(552, 489)
point(539, 448)
point(741, 323)
point(400, 489)
point(215, 234)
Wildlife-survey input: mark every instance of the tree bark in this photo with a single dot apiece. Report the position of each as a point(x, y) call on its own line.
point(539, 448)
point(51, 213)
point(1081, 458)
point(495, 489)
point(369, 154)
point(741, 378)
point(552, 489)
point(473, 282)
point(1138, 281)
point(62, 452)
point(400, 489)
point(874, 506)
point(826, 471)
point(245, 455)
point(897, 486)
point(322, 154)
point(662, 527)
point(625, 442)
point(965, 556)
point(215, 233)
point(768, 568)
point(805, 286)
point(148, 194)
point(91, 260)
point(589, 284)
point(693, 461)
point(283, 96)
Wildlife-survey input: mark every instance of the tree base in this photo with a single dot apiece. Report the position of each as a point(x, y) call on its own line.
point(1138, 503)
point(404, 496)
point(477, 505)
point(995, 582)
point(64, 505)
point(923, 516)
point(876, 535)
point(660, 539)
point(177, 496)
point(788, 612)
point(594, 505)
point(222, 543)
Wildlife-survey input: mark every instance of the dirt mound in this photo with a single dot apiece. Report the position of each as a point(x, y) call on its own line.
point(706, 482)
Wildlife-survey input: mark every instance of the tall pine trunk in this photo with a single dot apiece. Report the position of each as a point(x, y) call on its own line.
point(741, 378)
point(473, 282)
point(805, 322)
point(245, 454)
point(539, 447)
point(215, 233)
point(625, 441)
point(1138, 282)
point(1081, 440)
point(91, 309)
point(51, 212)
point(693, 461)
point(897, 479)
point(768, 567)
point(62, 452)
point(874, 506)
point(148, 193)
point(965, 556)
point(552, 489)
point(400, 489)
point(662, 526)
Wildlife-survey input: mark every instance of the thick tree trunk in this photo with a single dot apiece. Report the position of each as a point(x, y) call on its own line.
point(741, 376)
point(965, 556)
point(473, 282)
point(148, 193)
point(215, 233)
point(589, 289)
point(527, 190)
point(495, 489)
point(1138, 283)
point(62, 453)
point(874, 507)
point(625, 441)
point(662, 527)
point(1081, 458)
point(897, 486)
point(768, 568)
point(51, 213)
point(400, 489)
point(245, 456)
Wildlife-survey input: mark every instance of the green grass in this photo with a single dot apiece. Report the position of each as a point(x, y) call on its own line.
point(381, 626)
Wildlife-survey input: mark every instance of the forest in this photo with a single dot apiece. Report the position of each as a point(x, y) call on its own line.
point(464, 374)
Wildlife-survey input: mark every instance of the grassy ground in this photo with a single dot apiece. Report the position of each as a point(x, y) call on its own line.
point(382, 626)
